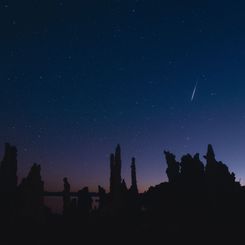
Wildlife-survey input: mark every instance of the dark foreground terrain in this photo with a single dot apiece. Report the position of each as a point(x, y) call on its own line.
point(200, 204)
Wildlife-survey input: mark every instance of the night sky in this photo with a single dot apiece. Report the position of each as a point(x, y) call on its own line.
point(79, 77)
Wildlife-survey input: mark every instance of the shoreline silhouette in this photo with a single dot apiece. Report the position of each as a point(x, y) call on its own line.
point(199, 200)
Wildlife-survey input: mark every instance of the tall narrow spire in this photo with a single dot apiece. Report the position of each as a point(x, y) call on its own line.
point(134, 187)
point(118, 160)
point(118, 165)
point(115, 177)
point(210, 152)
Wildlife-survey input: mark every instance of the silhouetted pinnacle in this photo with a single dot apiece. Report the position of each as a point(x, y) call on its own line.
point(210, 153)
point(134, 187)
point(124, 187)
point(173, 167)
point(118, 148)
point(115, 175)
point(196, 157)
point(118, 155)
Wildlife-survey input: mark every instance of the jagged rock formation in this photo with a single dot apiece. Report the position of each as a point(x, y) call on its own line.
point(192, 170)
point(173, 167)
point(217, 173)
point(198, 201)
point(31, 195)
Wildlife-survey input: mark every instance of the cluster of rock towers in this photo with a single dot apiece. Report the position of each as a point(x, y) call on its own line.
point(119, 197)
point(25, 199)
point(117, 185)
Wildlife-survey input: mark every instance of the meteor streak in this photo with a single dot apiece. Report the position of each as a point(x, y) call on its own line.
point(194, 91)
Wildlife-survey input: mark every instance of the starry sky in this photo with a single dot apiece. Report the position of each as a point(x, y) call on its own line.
point(79, 77)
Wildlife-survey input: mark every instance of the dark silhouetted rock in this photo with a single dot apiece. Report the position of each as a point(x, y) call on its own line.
point(66, 197)
point(217, 173)
point(124, 188)
point(197, 202)
point(115, 177)
point(31, 192)
point(102, 198)
point(173, 167)
point(84, 203)
point(8, 185)
point(192, 170)
point(134, 187)
point(8, 169)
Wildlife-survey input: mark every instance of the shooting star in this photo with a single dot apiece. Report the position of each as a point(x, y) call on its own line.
point(194, 92)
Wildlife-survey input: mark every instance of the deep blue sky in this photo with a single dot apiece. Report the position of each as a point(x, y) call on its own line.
point(78, 77)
